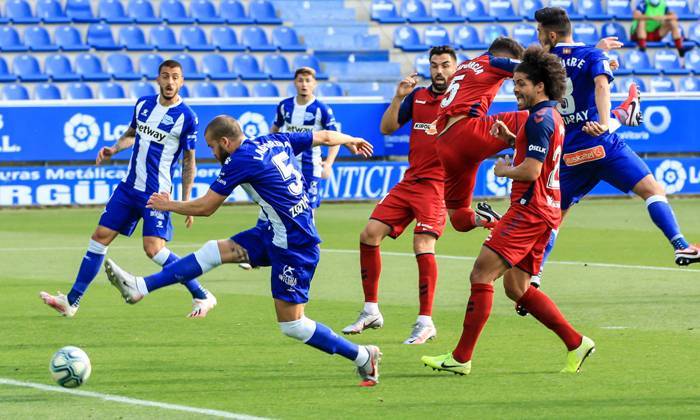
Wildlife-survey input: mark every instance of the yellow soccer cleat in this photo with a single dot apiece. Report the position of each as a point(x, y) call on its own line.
point(447, 363)
point(576, 357)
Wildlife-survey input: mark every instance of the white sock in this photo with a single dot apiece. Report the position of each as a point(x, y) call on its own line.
point(613, 125)
point(362, 356)
point(162, 256)
point(141, 286)
point(425, 319)
point(371, 308)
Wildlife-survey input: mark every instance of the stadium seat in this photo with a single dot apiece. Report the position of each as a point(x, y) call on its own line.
point(68, 39)
point(247, 66)
point(621, 70)
point(100, 37)
point(407, 38)
point(163, 38)
point(286, 39)
point(236, 90)
point(385, 90)
point(277, 67)
point(203, 11)
point(233, 12)
point(491, 32)
point(189, 67)
point(5, 75)
point(613, 87)
point(435, 35)
point(121, 67)
point(507, 88)
point(415, 12)
point(224, 39)
point(3, 19)
point(421, 63)
point(37, 39)
point(669, 63)
point(638, 62)
point(692, 61)
point(620, 9)
point(329, 89)
point(307, 60)
point(80, 11)
point(265, 89)
point(50, 11)
point(15, 92)
point(263, 12)
point(133, 39)
point(141, 11)
point(586, 33)
point(206, 90)
point(173, 12)
point(216, 67)
point(47, 91)
point(59, 68)
point(468, 38)
point(569, 6)
point(10, 40)
point(255, 39)
point(527, 8)
point(112, 11)
point(445, 11)
point(291, 90)
point(90, 68)
point(624, 84)
point(111, 90)
point(694, 31)
point(503, 11)
point(525, 34)
point(689, 84)
point(79, 91)
point(19, 11)
point(384, 11)
point(662, 84)
point(593, 10)
point(26, 67)
point(140, 89)
point(194, 39)
point(616, 29)
point(474, 11)
point(184, 92)
point(682, 9)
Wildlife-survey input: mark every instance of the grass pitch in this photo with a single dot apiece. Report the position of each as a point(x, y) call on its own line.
point(645, 322)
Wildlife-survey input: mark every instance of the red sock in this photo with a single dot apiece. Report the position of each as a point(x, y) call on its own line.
point(463, 219)
point(642, 43)
point(546, 311)
point(370, 268)
point(678, 43)
point(478, 311)
point(427, 278)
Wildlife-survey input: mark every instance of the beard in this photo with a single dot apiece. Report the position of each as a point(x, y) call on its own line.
point(223, 155)
point(164, 95)
point(439, 85)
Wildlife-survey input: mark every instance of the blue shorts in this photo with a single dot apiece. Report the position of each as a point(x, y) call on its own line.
point(127, 206)
point(313, 190)
point(612, 161)
point(292, 270)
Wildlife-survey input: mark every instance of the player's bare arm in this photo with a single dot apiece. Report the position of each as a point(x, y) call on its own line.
point(609, 43)
point(356, 145)
point(330, 160)
point(500, 130)
point(274, 129)
point(202, 206)
point(602, 102)
point(529, 170)
point(390, 119)
point(188, 170)
point(125, 141)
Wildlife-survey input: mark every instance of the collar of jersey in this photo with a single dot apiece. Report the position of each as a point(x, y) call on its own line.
point(543, 104)
point(306, 104)
point(570, 44)
point(179, 101)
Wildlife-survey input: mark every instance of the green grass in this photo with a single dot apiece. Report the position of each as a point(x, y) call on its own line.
point(236, 359)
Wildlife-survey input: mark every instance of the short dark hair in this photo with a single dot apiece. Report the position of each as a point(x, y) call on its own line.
point(443, 49)
point(541, 66)
point(507, 45)
point(224, 126)
point(554, 19)
point(306, 71)
point(169, 64)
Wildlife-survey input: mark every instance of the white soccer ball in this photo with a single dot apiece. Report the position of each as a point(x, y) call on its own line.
point(70, 367)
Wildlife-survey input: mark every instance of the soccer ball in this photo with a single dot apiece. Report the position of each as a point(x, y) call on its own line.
point(70, 367)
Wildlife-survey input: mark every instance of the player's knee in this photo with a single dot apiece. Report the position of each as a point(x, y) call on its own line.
point(424, 243)
point(301, 329)
point(514, 292)
point(208, 256)
point(371, 236)
point(463, 219)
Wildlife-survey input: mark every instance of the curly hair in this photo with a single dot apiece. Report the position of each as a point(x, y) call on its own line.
point(541, 66)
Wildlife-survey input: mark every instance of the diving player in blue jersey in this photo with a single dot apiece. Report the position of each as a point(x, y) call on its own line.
point(162, 127)
point(266, 169)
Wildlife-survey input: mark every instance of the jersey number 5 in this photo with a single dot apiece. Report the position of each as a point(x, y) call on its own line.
point(287, 170)
point(451, 91)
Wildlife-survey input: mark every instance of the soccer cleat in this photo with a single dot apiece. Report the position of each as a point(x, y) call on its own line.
point(125, 282)
point(200, 307)
point(59, 303)
point(364, 321)
point(630, 111)
point(489, 216)
point(576, 357)
point(369, 372)
point(688, 255)
point(534, 282)
point(245, 266)
point(421, 333)
point(447, 363)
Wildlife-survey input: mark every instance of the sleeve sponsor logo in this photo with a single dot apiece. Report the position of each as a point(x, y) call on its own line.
point(583, 156)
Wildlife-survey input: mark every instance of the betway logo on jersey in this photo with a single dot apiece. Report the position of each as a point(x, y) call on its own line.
point(472, 65)
point(149, 133)
point(296, 128)
point(82, 132)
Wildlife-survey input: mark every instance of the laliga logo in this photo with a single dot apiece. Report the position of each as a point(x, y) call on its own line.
point(253, 124)
point(81, 132)
point(500, 186)
point(671, 174)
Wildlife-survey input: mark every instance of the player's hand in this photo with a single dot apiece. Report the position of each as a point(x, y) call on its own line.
point(500, 130)
point(105, 153)
point(360, 147)
point(158, 201)
point(189, 221)
point(406, 86)
point(609, 43)
point(614, 65)
point(327, 170)
point(432, 130)
point(502, 165)
point(594, 128)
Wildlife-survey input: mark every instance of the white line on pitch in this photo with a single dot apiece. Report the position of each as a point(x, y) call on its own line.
point(127, 400)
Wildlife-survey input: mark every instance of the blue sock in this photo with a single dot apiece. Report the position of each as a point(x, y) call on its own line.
point(166, 257)
point(548, 249)
point(662, 215)
point(89, 267)
point(326, 340)
point(182, 270)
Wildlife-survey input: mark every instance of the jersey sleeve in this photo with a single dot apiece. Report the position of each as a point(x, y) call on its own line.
point(328, 119)
point(299, 141)
point(406, 109)
point(539, 129)
point(133, 114)
point(188, 138)
point(505, 64)
point(279, 117)
point(599, 63)
point(231, 175)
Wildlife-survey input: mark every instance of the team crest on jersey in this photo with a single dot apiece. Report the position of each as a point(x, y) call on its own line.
point(144, 112)
point(167, 120)
point(567, 51)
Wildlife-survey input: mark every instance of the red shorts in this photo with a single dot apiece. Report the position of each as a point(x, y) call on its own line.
point(413, 199)
point(520, 238)
point(464, 146)
point(653, 36)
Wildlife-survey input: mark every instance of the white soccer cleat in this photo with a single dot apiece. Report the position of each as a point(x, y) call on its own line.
point(364, 321)
point(369, 372)
point(245, 266)
point(124, 281)
point(200, 307)
point(688, 255)
point(59, 303)
point(421, 333)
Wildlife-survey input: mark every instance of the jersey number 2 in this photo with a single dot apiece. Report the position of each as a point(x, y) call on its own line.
point(287, 170)
point(553, 181)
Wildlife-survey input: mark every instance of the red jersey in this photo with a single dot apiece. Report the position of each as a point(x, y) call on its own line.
point(542, 139)
point(473, 87)
point(421, 106)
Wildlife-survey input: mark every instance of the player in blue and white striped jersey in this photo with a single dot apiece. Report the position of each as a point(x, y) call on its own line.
point(162, 127)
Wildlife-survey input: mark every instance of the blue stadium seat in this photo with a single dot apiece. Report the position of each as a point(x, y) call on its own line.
point(121, 67)
point(80, 11)
point(638, 62)
point(436, 35)
point(286, 39)
point(613, 87)
point(233, 12)
point(203, 11)
point(669, 63)
point(662, 84)
point(5, 75)
point(291, 89)
point(100, 37)
point(474, 11)
point(586, 33)
point(384, 11)
point(692, 61)
point(140, 89)
point(689, 84)
point(184, 92)
point(189, 67)
point(3, 19)
point(47, 91)
point(682, 9)
point(112, 90)
point(569, 6)
point(79, 91)
point(37, 39)
point(621, 70)
point(247, 66)
point(415, 12)
point(68, 39)
point(194, 39)
point(445, 11)
point(263, 12)
point(15, 92)
point(507, 88)
point(307, 60)
point(491, 32)
point(236, 90)
point(625, 82)
point(593, 10)
point(422, 65)
point(255, 39)
point(277, 67)
point(173, 12)
point(616, 29)
point(224, 39)
point(503, 11)
point(26, 67)
point(468, 38)
point(385, 90)
point(527, 8)
point(216, 67)
point(206, 90)
point(696, 8)
point(50, 11)
point(163, 38)
point(90, 68)
point(525, 34)
point(620, 9)
point(19, 11)
point(265, 90)
point(694, 31)
point(407, 38)
point(329, 89)
point(112, 11)
point(141, 11)
point(59, 68)
point(132, 38)
point(10, 41)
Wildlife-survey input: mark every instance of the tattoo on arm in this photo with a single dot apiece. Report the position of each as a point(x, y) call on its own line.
point(188, 169)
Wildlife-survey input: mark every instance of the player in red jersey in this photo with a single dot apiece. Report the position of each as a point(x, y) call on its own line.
point(418, 196)
point(515, 247)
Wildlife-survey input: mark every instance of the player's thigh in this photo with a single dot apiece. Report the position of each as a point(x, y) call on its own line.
point(121, 213)
point(256, 243)
point(394, 210)
point(374, 232)
point(157, 223)
point(488, 267)
point(287, 311)
point(291, 274)
point(429, 208)
point(516, 234)
point(623, 168)
point(459, 185)
point(532, 262)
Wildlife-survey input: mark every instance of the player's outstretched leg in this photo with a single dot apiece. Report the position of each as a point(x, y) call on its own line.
point(465, 219)
point(629, 112)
